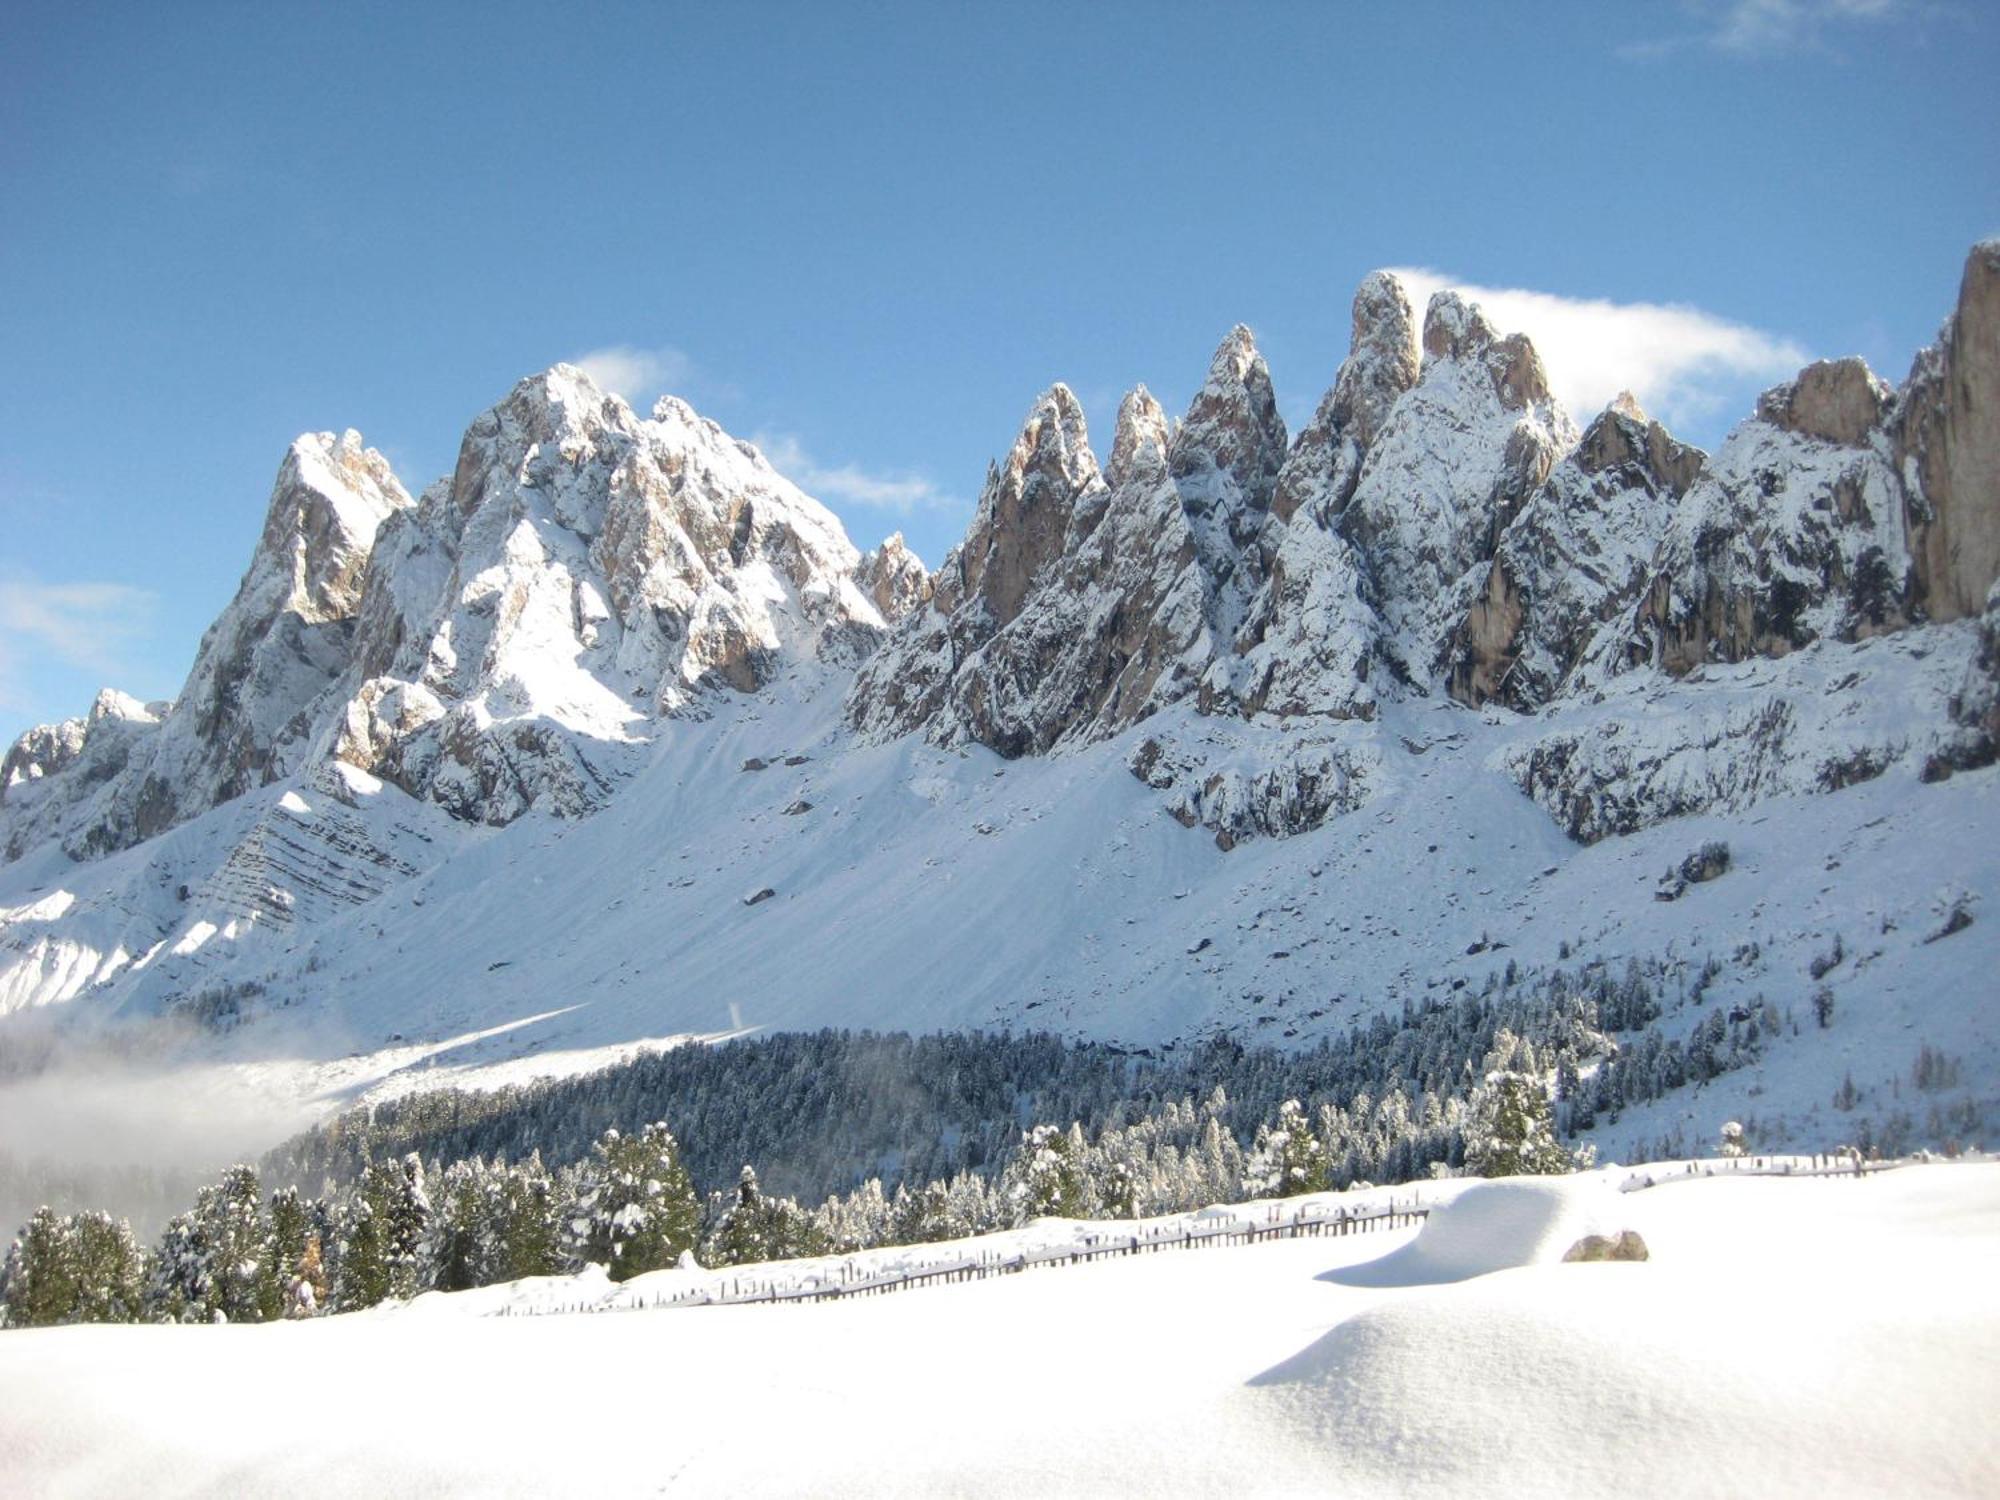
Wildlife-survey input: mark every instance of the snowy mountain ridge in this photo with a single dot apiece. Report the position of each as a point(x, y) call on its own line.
point(1438, 667)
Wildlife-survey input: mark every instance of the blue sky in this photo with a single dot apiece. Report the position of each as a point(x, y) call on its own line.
point(868, 235)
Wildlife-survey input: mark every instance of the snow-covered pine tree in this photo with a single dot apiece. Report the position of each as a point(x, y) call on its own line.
point(382, 1235)
point(1510, 1133)
point(1287, 1158)
point(1045, 1178)
point(635, 1209)
point(180, 1283)
point(527, 1224)
point(288, 1232)
point(756, 1227)
point(406, 1217)
point(458, 1252)
point(110, 1269)
point(39, 1281)
point(235, 1240)
point(361, 1277)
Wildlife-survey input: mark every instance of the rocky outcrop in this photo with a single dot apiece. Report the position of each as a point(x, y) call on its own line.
point(1576, 555)
point(583, 570)
point(895, 579)
point(1795, 532)
point(1946, 440)
point(1456, 459)
point(1307, 643)
point(1838, 401)
point(59, 778)
point(1083, 601)
point(264, 671)
point(1246, 795)
point(1224, 460)
point(42, 751)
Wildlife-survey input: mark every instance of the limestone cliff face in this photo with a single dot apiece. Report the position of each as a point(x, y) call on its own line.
point(1946, 440)
point(1577, 553)
point(1458, 456)
point(1793, 533)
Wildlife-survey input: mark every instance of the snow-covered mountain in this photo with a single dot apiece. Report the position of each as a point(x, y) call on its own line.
point(1236, 731)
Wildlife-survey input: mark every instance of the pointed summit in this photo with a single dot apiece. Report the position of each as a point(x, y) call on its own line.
point(1143, 437)
point(1232, 430)
point(1382, 363)
point(1024, 511)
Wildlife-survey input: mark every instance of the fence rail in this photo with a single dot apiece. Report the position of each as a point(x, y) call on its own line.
point(851, 1279)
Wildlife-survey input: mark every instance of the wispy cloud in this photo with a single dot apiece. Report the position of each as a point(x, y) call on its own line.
point(901, 492)
point(636, 374)
point(1679, 361)
point(1768, 28)
point(86, 626)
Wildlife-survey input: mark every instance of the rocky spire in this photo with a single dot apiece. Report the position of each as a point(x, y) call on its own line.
point(1623, 438)
point(1945, 430)
point(1381, 364)
point(1230, 446)
point(1834, 400)
point(1025, 508)
point(1140, 448)
point(894, 578)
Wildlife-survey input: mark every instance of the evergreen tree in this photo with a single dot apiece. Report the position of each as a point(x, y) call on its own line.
point(635, 1209)
point(1287, 1158)
point(180, 1287)
point(39, 1281)
point(405, 1210)
point(288, 1232)
point(1510, 1133)
point(463, 1235)
point(1045, 1178)
point(527, 1224)
point(235, 1242)
point(110, 1270)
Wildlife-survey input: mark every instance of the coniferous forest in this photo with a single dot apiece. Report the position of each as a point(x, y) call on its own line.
point(832, 1141)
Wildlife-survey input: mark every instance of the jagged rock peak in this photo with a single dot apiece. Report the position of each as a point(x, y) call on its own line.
point(1382, 362)
point(1460, 330)
point(556, 432)
point(1143, 437)
point(1834, 400)
point(1623, 438)
point(1455, 328)
point(895, 578)
point(331, 495)
point(1232, 428)
point(1383, 356)
point(1025, 508)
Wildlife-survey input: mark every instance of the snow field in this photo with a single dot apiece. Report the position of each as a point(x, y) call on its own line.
point(1825, 1336)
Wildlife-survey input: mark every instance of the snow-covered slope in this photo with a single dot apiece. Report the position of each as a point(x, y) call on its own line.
point(1829, 1338)
point(613, 730)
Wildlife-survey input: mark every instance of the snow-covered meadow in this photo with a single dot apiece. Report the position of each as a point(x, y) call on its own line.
point(1830, 1336)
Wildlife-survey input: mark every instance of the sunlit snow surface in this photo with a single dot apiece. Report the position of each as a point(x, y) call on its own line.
point(1788, 1337)
point(916, 888)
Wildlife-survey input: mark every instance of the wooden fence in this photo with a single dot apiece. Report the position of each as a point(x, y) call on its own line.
point(852, 1279)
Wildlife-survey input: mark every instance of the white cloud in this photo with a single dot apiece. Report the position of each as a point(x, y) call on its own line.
point(902, 493)
point(1679, 361)
point(638, 375)
point(82, 625)
point(1768, 28)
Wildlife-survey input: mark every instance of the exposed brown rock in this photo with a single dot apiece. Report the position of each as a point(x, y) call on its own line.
point(1947, 430)
point(1834, 400)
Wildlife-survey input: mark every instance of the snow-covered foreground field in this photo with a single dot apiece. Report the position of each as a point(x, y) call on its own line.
point(1829, 1337)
